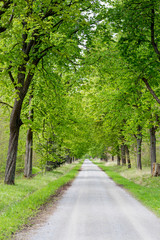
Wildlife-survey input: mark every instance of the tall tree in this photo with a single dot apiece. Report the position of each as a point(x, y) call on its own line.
point(29, 142)
point(139, 38)
point(38, 29)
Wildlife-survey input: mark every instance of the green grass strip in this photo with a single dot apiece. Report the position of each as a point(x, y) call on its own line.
point(148, 195)
point(20, 213)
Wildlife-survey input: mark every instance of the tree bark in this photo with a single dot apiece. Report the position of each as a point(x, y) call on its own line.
point(29, 146)
point(118, 156)
point(152, 146)
point(151, 90)
point(123, 156)
point(112, 158)
point(139, 148)
point(118, 159)
point(128, 156)
point(15, 123)
point(69, 159)
point(29, 154)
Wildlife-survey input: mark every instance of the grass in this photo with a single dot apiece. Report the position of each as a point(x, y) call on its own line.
point(139, 183)
point(21, 202)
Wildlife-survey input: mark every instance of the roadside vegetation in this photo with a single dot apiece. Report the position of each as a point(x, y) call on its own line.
point(21, 202)
point(140, 184)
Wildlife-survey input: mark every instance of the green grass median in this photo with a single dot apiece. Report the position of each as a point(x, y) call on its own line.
point(21, 202)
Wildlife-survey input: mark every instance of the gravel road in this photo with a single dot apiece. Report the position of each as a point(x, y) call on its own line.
point(95, 208)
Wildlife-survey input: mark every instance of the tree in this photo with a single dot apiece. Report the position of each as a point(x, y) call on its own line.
point(36, 31)
point(128, 156)
point(29, 143)
point(138, 38)
point(135, 26)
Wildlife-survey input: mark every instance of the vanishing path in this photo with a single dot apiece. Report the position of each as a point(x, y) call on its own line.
point(95, 208)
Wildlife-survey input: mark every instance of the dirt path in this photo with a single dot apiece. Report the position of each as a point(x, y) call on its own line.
point(95, 208)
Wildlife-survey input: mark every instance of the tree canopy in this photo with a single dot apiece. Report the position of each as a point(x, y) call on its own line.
point(82, 76)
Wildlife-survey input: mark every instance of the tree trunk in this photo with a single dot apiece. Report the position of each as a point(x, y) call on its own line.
point(24, 78)
point(118, 156)
point(152, 146)
point(118, 159)
point(128, 156)
point(69, 159)
point(15, 123)
point(29, 146)
point(139, 148)
point(112, 158)
point(123, 156)
point(139, 162)
point(29, 154)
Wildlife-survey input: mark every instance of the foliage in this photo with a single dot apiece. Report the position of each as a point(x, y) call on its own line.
point(87, 64)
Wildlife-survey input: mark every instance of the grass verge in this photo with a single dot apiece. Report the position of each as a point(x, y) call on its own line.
point(30, 197)
point(147, 190)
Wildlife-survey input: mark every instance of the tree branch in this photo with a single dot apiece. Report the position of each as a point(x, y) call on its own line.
point(4, 103)
point(58, 23)
point(153, 33)
point(151, 90)
point(2, 29)
point(42, 54)
point(12, 78)
point(5, 6)
point(29, 46)
point(28, 81)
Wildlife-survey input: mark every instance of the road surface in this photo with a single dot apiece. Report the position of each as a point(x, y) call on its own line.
point(95, 208)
